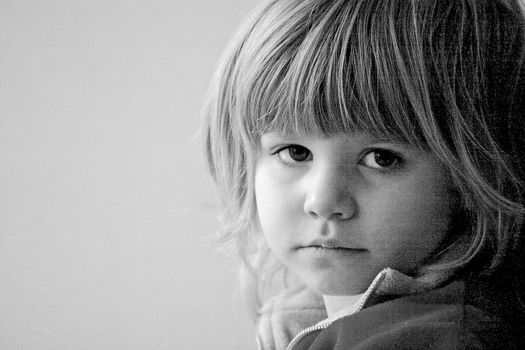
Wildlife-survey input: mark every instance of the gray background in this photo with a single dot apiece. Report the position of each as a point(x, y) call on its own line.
point(106, 212)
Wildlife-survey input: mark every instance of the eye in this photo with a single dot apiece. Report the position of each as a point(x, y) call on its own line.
point(294, 153)
point(381, 159)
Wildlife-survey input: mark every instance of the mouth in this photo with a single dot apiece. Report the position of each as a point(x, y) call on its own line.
point(322, 246)
point(334, 248)
point(331, 245)
point(324, 250)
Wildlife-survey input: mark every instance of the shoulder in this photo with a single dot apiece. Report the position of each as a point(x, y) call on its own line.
point(438, 319)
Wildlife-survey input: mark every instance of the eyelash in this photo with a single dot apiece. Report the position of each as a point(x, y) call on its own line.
point(398, 160)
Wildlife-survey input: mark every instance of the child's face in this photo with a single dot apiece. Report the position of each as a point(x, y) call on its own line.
point(338, 210)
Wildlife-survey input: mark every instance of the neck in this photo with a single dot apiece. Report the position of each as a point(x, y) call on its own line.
point(335, 303)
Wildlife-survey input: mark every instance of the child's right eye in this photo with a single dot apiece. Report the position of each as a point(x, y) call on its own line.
point(294, 153)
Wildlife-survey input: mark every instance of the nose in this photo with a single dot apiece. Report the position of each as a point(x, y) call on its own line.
point(329, 195)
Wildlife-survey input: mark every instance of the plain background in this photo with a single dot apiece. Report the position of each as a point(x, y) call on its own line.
point(106, 210)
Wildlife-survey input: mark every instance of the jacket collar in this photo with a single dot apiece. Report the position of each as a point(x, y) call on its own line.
point(296, 309)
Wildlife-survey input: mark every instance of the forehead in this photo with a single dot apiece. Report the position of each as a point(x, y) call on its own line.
point(350, 137)
point(316, 116)
point(357, 136)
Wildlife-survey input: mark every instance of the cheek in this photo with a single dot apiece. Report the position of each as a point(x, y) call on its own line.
point(275, 209)
point(411, 226)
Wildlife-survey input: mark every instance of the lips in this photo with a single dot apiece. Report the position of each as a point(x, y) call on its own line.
point(332, 245)
point(331, 248)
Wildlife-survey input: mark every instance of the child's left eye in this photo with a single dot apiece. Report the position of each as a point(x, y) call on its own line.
point(381, 159)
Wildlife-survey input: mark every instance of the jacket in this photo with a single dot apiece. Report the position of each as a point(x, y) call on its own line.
point(396, 312)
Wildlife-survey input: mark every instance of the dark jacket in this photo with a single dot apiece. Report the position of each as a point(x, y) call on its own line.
point(406, 317)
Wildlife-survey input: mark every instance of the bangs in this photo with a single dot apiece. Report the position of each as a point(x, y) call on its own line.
point(344, 66)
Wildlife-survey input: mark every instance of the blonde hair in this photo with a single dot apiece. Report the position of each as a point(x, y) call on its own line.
point(445, 75)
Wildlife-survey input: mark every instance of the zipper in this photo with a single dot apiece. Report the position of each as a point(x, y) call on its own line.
point(327, 322)
point(317, 327)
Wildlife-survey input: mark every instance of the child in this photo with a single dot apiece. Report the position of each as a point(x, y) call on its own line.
point(372, 149)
